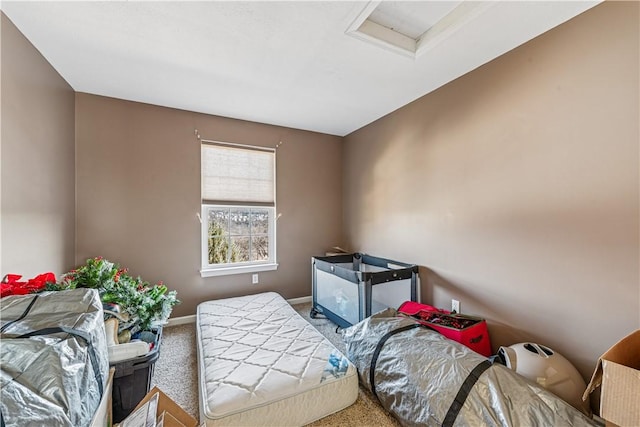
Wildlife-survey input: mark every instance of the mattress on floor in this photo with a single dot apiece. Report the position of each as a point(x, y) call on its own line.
point(261, 363)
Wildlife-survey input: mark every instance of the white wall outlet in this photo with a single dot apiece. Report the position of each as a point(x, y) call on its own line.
point(254, 279)
point(455, 305)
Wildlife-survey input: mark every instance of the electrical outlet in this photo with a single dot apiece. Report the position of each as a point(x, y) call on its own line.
point(455, 305)
point(254, 279)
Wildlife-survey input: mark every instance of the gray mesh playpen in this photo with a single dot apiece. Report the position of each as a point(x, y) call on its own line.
point(348, 288)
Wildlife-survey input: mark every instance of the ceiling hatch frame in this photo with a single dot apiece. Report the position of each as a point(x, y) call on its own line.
point(369, 31)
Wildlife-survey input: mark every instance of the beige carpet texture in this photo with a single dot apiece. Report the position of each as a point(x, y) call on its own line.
point(176, 373)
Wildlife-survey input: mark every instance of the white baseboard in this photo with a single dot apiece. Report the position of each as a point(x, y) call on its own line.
point(184, 320)
point(301, 300)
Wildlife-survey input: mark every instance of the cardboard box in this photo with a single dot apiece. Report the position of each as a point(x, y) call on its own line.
point(171, 414)
point(618, 372)
point(102, 417)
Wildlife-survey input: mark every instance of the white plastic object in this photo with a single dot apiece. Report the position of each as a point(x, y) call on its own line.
point(549, 369)
point(111, 331)
point(126, 351)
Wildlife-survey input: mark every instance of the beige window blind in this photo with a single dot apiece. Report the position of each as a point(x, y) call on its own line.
point(235, 174)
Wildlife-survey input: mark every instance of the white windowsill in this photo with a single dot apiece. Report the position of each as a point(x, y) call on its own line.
point(225, 271)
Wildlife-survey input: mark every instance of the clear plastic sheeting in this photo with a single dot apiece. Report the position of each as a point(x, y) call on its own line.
point(53, 357)
point(419, 376)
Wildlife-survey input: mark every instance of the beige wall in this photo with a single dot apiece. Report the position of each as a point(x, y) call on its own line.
point(138, 192)
point(37, 213)
point(515, 188)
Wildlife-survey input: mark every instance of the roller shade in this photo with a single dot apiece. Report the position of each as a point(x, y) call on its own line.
point(233, 174)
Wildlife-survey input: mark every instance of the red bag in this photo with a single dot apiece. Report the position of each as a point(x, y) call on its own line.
point(468, 330)
point(11, 286)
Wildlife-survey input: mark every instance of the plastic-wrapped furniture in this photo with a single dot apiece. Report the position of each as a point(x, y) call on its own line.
point(423, 378)
point(348, 288)
point(53, 357)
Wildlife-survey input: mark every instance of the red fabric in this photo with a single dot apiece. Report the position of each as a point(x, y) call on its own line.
point(412, 307)
point(11, 286)
point(476, 336)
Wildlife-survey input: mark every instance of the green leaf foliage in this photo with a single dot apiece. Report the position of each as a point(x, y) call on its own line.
point(219, 247)
point(145, 304)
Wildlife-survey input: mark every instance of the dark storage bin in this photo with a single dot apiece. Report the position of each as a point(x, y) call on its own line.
point(132, 380)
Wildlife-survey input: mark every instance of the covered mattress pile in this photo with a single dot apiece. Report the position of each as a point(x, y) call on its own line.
point(53, 358)
point(423, 378)
point(261, 363)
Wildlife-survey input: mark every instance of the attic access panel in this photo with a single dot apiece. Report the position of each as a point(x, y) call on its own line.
point(411, 28)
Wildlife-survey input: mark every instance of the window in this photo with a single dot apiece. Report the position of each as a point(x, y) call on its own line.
point(238, 209)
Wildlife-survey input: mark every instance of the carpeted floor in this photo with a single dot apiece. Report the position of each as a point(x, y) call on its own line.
point(176, 373)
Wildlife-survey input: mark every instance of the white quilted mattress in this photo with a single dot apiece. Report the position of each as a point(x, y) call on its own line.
point(261, 363)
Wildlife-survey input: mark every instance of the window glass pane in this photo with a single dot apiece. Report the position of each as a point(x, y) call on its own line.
point(240, 249)
point(218, 249)
point(239, 222)
point(260, 248)
point(237, 234)
point(259, 221)
point(219, 220)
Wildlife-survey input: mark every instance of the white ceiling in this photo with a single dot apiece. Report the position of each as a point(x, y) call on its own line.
point(286, 63)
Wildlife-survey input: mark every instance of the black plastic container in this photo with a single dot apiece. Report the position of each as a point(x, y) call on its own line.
point(132, 380)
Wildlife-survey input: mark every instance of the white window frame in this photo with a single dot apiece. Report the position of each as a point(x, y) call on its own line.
point(212, 270)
